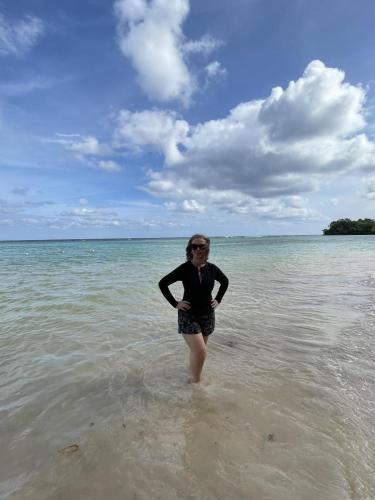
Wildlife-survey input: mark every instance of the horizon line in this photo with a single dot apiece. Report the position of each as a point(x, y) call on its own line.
point(149, 238)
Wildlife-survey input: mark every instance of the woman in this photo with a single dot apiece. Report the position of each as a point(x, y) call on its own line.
point(196, 311)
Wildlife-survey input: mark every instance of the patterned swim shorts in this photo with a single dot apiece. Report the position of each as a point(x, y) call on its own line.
point(191, 324)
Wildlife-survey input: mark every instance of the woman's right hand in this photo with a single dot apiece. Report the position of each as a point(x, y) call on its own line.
point(184, 305)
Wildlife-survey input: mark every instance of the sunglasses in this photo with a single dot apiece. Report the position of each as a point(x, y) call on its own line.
point(198, 247)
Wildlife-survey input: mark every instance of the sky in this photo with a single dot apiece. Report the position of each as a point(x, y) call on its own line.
point(157, 118)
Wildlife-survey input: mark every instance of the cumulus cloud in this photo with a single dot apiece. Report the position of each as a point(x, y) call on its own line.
point(319, 104)
point(18, 37)
point(192, 206)
point(369, 188)
point(162, 131)
point(232, 202)
point(150, 35)
point(284, 208)
point(274, 148)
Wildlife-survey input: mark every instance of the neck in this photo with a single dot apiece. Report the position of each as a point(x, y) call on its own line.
point(198, 262)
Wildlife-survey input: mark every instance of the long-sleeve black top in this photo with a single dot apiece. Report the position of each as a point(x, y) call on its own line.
point(196, 291)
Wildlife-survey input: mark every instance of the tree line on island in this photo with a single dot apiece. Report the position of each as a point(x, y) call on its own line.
point(348, 226)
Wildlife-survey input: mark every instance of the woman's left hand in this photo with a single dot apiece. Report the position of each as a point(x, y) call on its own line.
point(214, 304)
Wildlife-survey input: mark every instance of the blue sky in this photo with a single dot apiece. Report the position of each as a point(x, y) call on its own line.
point(149, 118)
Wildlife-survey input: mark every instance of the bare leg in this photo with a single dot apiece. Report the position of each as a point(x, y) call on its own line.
point(198, 352)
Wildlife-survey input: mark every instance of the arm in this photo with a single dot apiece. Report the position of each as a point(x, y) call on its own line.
point(164, 283)
point(224, 282)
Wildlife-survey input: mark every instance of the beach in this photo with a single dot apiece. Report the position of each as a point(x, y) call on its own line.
point(90, 355)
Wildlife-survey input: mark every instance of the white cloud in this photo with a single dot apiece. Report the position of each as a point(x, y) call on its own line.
point(192, 206)
point(205, 45)
point(17, 38)
point(289, 207)
point(188, 206)
point(370, 188)
point(150, 35)
point(132, 11)
point(130, 215)
point(88, 145)
point(319, 104)
point(87, 217)
point(109, 166)
point(233, 202)
point(214, 69)
point(69, 136)
point(289, 143)
point(159, 130)
point(87, 149)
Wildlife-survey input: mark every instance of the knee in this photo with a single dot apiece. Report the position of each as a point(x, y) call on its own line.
point(201, 351)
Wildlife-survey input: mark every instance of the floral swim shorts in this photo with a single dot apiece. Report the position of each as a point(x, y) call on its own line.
point(191, 324)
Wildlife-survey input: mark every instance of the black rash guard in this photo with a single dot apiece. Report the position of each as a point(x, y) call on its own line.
point(197, 292)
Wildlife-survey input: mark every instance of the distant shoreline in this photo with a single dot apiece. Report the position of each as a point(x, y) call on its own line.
point(144, 238)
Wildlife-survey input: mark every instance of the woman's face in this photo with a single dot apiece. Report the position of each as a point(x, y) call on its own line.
point(199, 248)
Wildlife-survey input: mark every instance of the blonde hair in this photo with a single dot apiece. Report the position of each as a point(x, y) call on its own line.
point(189, 253)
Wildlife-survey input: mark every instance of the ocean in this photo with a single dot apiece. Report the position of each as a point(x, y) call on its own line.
point(90, 356)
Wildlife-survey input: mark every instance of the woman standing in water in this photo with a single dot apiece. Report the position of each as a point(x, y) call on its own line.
point(196, 311)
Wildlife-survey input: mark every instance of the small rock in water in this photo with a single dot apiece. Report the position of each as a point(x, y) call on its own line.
point(70, 449)
point(271, 437)
point(92, 424)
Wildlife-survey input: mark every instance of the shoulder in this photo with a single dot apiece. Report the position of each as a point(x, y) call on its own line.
point(175, 272)
point(216, 271)
point(212, 267)
point(184, 267)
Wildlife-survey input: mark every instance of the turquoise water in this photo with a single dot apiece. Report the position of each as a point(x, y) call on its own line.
point(90, 355)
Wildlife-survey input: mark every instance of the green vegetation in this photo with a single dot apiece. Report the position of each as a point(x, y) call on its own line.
point(348, 226)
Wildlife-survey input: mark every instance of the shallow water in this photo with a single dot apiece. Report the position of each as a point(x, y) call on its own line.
point(90, 355)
